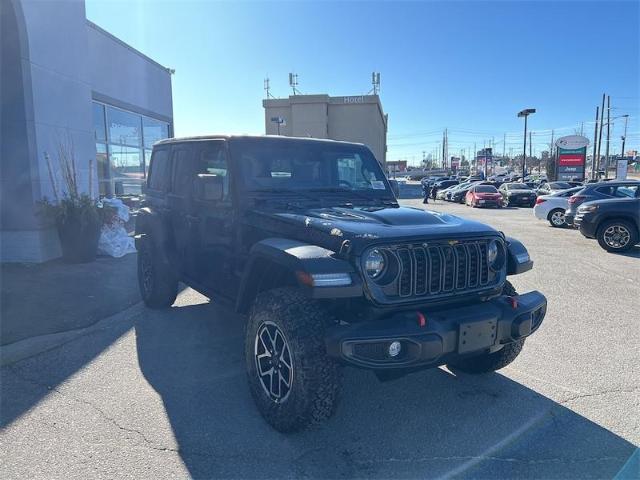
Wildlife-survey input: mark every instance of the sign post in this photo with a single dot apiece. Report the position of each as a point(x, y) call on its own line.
point(621, 169)
point(572, 157)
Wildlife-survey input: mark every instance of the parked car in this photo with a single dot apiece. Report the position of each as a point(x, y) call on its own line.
point(551, 187)
point(519, 194)
point(457, 195)
point(305, 238)
point(614, 222)
point(443, 194)
point(552, 207)
point(483, 196)
point(600, 191)
point(441, 185)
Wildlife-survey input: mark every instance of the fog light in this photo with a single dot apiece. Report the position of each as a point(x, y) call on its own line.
point(394, 349)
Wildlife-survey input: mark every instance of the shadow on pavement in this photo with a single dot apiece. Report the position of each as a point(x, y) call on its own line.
point(56, 297)
point(422, 425)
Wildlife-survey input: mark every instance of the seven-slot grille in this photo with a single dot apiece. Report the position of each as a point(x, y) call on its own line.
point(442, 268)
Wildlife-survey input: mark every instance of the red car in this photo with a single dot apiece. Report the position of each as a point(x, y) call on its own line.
point(483, 196)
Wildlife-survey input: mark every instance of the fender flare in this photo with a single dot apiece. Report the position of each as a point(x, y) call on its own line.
point(302, 260)
point(518, 259)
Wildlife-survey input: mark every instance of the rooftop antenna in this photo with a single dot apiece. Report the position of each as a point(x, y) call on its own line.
point(267, 88)
point(293, 83)
point(375, 81)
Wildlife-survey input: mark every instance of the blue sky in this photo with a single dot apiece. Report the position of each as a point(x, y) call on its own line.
point(467, 66)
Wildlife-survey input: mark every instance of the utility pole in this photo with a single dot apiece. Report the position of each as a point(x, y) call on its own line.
point(475, 152)
point(624, 137)
point(606, 154)
point(444, 140)
point(581, 128)
point(504, 144)
point(530, 147)
point(600, 134)
point(595, 145)
point(555, 173)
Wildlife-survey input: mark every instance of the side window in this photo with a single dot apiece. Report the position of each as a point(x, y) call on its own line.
point(211, 158)
point(609, 191)
point(183, 171)
point(159, 173)
point(626, 191)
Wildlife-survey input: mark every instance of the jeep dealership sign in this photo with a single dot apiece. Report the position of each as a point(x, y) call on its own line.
point(572, 155)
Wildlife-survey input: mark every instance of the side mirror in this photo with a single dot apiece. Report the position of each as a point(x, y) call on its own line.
point(209, 188)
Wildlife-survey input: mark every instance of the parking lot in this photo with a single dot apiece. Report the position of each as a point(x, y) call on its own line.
point(158, 394)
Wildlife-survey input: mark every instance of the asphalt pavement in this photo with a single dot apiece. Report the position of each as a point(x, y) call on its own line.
point(154, 394)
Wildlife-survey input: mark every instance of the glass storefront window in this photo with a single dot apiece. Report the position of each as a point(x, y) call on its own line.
point(123, 148)
point(99, 128)
point(127, 171)
point(153, 130)
point(102, 166)
point(124, 127)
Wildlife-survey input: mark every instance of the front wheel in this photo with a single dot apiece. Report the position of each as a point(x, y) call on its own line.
point(556, 218)
point(292, 380)
point(617, 235)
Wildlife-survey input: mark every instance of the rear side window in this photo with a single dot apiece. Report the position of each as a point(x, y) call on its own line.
point(159, 173)
point(183, 170)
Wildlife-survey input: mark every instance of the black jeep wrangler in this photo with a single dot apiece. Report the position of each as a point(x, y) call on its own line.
point(306, 237)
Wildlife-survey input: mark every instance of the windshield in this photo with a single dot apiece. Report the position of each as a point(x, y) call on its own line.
point(291, 166)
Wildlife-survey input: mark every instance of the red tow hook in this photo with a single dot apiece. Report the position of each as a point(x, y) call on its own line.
point(514, 302)
point(422, 320)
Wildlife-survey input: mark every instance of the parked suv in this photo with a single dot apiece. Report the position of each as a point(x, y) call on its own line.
point(600, 191)
point(614, 222)
point(306, 238)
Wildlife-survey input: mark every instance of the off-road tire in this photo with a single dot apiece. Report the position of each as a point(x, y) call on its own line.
point(315, 386)
point(633, 235)
point(490, 362)
point(157, 282)
point(551, 216)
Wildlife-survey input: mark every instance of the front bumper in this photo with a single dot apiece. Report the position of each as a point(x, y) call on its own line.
point(521, 200)
point(586, 224)
point(445, 336)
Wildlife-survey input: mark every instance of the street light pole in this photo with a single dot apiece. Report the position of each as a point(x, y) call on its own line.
point(525, 113)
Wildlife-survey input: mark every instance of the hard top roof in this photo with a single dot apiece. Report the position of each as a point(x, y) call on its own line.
point(253, 137)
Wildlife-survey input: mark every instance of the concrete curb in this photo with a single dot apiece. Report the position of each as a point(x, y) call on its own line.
point(22, 349)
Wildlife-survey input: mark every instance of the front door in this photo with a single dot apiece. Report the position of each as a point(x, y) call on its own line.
point(213, 245)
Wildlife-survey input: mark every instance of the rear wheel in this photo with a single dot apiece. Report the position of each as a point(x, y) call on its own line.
point(292, 380)
point(617, 235)
point(490, 362)
point(158, 284)
point(556, 218)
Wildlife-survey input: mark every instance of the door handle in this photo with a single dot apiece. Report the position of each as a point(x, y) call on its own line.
point(193, 219)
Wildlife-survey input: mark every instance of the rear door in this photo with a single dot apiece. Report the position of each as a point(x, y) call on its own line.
point(180, 205)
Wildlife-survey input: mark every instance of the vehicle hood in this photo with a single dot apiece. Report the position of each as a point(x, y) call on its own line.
point(365, 226)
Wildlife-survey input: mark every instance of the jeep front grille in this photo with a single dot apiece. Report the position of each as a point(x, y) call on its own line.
point(438, 269)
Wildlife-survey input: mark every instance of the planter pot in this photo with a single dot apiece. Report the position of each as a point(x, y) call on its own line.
point(79, 242)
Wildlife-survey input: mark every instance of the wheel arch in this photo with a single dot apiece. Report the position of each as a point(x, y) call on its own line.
point(280, 262)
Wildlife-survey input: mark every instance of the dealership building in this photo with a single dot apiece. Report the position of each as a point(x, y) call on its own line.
point(358, 119)
point(68, 85)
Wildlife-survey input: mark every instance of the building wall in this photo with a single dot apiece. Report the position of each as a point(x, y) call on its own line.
point(355, 119)
point(146, 86)
point(48, 72)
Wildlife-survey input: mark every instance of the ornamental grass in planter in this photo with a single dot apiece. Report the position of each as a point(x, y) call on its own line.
point(78, 217)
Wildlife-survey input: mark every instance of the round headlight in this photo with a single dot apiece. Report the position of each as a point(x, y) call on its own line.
point(495, 255)
point(374, 263)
